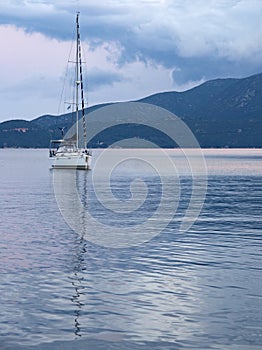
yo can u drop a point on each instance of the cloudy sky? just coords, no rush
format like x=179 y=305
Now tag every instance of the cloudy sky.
x=132 y=48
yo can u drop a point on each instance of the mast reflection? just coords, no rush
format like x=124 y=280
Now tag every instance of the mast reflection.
x=78 y=280
x=78 y=284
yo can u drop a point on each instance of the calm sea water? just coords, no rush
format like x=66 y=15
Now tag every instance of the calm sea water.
x=196 y=290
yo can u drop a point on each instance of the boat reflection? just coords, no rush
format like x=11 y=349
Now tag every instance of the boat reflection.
x=78 y=284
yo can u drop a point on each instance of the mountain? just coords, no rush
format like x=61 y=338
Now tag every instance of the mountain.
x=220 y=113
x=22 y=133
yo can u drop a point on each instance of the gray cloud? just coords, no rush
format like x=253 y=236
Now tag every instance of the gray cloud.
x=98 y=77
x=197 y=39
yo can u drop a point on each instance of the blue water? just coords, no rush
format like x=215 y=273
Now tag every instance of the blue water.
x=196 y=290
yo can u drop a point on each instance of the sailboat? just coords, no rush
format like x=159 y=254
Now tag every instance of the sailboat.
x=68 y=153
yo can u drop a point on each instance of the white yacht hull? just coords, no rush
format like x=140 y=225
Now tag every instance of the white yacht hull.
x=71 y=161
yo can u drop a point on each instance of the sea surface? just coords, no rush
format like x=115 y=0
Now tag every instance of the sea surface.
x=89 y=287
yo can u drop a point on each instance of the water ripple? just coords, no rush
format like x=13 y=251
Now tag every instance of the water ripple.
x=197 y=290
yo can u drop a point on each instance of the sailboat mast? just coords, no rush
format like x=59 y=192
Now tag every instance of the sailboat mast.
x=79 y=81
x=77 y=73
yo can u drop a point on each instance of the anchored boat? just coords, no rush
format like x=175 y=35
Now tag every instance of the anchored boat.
x=67 y=153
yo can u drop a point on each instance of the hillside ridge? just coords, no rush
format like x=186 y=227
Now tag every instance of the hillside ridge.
x=224 y=112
